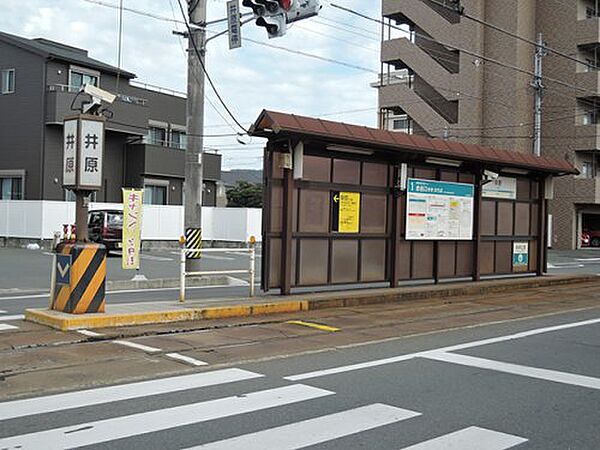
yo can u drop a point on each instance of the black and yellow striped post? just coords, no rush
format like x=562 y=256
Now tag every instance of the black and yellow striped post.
x=85 y=292
x=193 y=241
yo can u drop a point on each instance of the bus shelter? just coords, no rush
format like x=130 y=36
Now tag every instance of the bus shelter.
x=352 y=205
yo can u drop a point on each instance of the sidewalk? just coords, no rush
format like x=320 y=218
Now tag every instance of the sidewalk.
x=166 y=312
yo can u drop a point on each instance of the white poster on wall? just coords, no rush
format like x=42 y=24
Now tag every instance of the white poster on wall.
x=438 y=210
x=502 y=187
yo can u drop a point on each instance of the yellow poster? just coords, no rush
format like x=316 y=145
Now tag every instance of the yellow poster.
x=132 y=228
x=349 y=215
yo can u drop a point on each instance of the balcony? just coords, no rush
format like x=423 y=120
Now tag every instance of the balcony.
x=420 y=13
x=399 y=95
x=401 y=52
x=589 y=81
x=130 y=113
x=587 y=31
x=162 y=161
x=587 y=137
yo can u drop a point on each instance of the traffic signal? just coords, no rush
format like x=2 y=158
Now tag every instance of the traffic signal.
x=274 y=15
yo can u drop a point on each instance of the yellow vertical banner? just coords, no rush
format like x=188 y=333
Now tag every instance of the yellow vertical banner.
x=132 y=228
x=349 y=212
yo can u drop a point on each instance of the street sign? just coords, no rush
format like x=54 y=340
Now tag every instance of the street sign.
x=63 y=269
x=233 y=21
x=91 y=147
x=520 y=256
x=70 y=152
x=83 y=150
x=346 y=211
x=132 y=228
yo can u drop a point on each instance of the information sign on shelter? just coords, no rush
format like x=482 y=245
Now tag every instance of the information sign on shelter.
x=501 y=187
x=438 y=210
x=346 y=211
x=520 y=256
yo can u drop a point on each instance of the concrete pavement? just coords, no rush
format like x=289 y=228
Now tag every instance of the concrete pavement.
x=530 y=383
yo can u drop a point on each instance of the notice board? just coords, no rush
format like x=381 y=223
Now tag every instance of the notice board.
x=438 y=210
x=346 y=211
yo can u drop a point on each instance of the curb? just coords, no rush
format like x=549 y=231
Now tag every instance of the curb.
x=300 y=302
x=66 y=322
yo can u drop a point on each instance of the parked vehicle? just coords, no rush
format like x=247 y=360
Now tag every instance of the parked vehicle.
x=590 y=239
x=106 y=227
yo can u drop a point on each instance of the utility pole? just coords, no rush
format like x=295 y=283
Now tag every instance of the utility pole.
x=538 y=86
x=195 y=122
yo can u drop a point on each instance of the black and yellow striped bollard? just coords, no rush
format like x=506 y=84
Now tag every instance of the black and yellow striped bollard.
x=85 y=290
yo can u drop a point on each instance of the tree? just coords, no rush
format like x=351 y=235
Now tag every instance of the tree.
x=245 y=195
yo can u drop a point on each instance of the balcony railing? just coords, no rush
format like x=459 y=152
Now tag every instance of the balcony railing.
x=120 y=97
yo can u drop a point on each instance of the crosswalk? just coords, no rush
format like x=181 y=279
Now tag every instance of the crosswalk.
x=5 y=317
x=158 y=417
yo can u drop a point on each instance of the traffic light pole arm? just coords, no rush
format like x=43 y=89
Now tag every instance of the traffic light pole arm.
x=242 y=23
x=212 y=22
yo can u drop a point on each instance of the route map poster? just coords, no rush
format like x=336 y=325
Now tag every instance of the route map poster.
x=438 y=210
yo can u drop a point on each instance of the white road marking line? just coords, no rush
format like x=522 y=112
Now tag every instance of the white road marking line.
x=98 y=396
x=2 y=312
x=4 y=327
x=89 y=333
x=315 y=431
x=472 y=438
x=13 y=317
x=148 y=422
x=145 y=348
x=187 y=359
x=516 y=369
x=409 y=356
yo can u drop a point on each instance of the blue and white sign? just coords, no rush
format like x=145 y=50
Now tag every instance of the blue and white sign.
x=439 y=210
x=520 y=256
x=63 y=269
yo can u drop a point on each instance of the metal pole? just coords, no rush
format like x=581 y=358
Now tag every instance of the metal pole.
x=252 y=268
x=538 y=86
x=52 y=281
x=182 y=274
x=81 y=215
x=195 y=122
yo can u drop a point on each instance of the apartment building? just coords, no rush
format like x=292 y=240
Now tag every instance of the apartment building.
x=432 y=83
x=145 y=137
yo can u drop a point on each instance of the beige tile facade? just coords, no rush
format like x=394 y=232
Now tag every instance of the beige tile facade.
x=446 y=93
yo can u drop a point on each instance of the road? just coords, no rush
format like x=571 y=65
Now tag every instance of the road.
x=525 y=384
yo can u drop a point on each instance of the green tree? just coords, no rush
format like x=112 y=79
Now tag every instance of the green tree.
x=245 y=195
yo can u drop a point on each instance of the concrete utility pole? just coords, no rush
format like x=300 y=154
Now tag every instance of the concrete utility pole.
x=538 y=86
x=195 y=122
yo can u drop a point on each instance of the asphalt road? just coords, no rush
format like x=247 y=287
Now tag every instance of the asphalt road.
x=526 y=384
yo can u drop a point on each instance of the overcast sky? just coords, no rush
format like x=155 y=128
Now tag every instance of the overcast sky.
x=249 y=79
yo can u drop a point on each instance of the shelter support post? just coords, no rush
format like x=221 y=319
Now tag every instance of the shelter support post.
x=542 y=247
x=477 y=227
x=286 y=237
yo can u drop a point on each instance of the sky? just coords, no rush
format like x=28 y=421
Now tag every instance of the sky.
x=249 y=79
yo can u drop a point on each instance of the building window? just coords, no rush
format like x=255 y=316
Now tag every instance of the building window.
x=178 y=139
x=590 y=12
x=401 y=123
x=587 y=170
x=155 y=194
x=157 y=136
x=7 y=81
x=11 y=188
x=78 y=78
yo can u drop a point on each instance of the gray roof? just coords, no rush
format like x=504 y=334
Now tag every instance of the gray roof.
x=63 y=52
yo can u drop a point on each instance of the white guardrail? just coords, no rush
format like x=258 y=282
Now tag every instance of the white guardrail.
x=183 y=274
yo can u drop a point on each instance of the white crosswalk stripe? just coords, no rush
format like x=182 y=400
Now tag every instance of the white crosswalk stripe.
x=4 y=327
x=472 y=438
x=148 y=422
x=315 y=431
x=12 y=317
x=58 y=402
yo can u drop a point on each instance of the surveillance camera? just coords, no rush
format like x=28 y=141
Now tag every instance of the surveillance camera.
x=489 y=175
x=99 y=94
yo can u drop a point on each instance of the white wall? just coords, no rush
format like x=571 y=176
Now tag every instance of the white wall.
x=39 y=219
